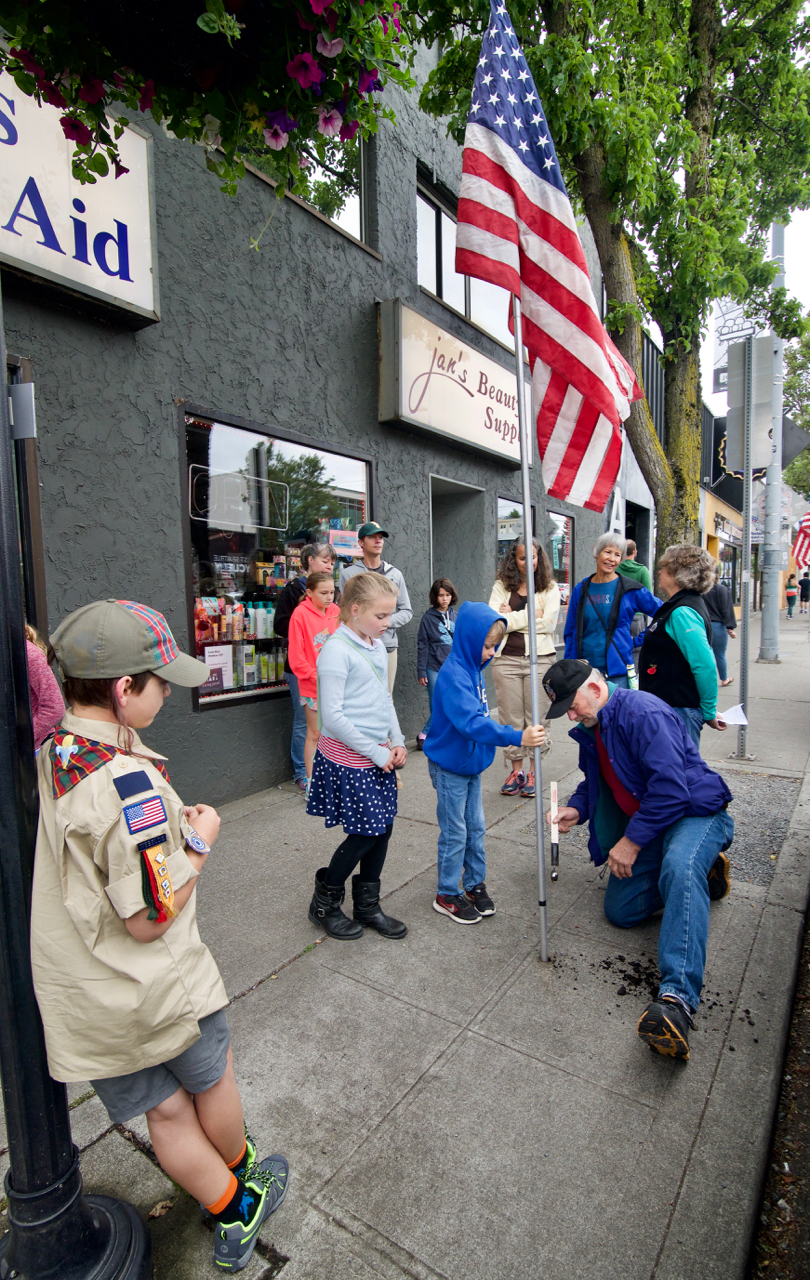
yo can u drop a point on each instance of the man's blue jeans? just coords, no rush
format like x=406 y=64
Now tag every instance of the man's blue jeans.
x=672 y=872
x=299 y=727
x=462 y=828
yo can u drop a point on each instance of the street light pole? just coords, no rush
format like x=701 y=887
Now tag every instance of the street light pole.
x=772 y=546
x=54 y=1231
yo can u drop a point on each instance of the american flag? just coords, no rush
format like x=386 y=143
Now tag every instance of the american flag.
x=516 y=229
x=801 y=547
x=146 y=814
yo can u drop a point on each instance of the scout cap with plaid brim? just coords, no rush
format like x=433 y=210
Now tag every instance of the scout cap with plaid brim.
x=113 y=638
x=561 y=682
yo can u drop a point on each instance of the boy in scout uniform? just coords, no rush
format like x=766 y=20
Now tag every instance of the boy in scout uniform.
x=130 y=997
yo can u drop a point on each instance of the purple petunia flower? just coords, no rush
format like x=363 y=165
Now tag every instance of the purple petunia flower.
x=369 y=80
x=147 y=95
x=74 y=130
x=52 y=94
x=280 y=120
x=92 y=92
x=319 y=6
x=349 y=130
x=304 y=68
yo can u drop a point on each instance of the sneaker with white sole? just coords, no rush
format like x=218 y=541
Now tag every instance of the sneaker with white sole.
x=514 y=783
x=458 y=907
x=480 y=899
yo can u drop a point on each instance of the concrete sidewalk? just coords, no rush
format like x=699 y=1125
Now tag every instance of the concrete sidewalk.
x=450 y=1106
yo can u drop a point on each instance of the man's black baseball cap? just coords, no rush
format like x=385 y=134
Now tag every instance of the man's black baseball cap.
x=561 y=682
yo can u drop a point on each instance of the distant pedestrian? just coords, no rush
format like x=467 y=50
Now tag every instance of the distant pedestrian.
x=511 y=669
x=316 y=557
x=361 y=744
x=461 y=744
x=371 y=537
x=724 y=621
x=130 y=998
x=677 y=662
x=313 y=621
x=631 y=567
x=804 y=593
x=791 y=592
x=602 y=608
x=434 y=641
x=47 y=703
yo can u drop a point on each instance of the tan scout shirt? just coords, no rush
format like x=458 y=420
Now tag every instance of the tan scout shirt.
x=111 y=1005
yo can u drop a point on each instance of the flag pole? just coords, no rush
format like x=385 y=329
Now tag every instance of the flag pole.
x=533 y=665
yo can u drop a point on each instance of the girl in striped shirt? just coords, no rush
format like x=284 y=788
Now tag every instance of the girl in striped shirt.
x=360 y=745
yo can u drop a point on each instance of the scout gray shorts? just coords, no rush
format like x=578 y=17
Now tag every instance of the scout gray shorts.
x=196 y=1069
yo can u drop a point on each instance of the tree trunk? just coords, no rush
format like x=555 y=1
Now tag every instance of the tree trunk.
x=683 y=416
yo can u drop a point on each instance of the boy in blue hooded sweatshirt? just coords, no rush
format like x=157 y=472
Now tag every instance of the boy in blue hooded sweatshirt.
x=461 y=743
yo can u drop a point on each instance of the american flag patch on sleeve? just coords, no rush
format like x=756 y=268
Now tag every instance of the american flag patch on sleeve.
x=149 y=813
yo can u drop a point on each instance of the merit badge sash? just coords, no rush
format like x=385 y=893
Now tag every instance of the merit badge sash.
x=156 y=882
x=74 y=758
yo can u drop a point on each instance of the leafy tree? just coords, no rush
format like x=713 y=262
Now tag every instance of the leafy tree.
x=684 y=130
x=797 y=404
x=272 y=81
x=311 y=490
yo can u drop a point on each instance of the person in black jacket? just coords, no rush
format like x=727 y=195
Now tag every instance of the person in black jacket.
x=804 y=593
x=720 y=609
x=316 y=557
x=434 y=641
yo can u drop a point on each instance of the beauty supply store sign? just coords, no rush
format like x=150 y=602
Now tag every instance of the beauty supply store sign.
x=432 y=381
x=97 y=239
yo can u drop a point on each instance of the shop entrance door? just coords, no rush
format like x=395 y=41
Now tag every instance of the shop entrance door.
x=457 y=538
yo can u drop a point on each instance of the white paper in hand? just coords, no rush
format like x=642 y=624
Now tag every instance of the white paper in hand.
x=734 y=715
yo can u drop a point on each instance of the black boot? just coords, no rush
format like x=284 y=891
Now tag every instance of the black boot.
x=367 y=909
x=324 y=909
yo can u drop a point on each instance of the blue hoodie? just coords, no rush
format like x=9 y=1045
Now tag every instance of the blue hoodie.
x=462 y=738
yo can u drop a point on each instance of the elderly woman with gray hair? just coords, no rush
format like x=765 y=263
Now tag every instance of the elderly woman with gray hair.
x=677 y=662
x=602 y=608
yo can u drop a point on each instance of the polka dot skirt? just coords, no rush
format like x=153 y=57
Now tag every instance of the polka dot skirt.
x=362 y=801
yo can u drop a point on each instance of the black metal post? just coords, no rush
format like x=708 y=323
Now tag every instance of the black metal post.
x=55 y=1232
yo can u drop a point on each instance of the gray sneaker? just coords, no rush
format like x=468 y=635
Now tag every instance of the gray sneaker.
x=234 y=1242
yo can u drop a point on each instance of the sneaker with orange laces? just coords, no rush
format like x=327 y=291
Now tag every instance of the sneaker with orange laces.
x=527 y=789
x=514 y=782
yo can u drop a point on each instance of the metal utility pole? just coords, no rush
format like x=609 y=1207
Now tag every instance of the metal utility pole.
x=772 y=546
x=528 y=534
x=55 y=1233
x=745 y=602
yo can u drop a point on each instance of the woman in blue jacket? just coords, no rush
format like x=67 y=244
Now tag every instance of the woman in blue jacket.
x=602 y=607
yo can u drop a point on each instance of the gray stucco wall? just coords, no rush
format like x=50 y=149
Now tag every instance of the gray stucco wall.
x=286 y=337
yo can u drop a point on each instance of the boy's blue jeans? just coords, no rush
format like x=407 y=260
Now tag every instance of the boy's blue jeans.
x=462 y=828
x=672 y=872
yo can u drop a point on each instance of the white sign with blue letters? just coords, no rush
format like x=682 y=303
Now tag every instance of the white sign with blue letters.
x=97 y=239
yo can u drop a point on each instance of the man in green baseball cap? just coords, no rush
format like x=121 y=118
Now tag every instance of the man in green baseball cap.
x=371 y=537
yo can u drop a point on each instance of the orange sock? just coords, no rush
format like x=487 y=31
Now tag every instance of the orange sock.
x=224 y=1200
x=233 y=1163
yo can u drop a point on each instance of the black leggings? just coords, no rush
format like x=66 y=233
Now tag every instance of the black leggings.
x=369 y=851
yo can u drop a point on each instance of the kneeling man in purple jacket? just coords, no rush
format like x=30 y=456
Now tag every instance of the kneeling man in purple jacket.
x=658 y=816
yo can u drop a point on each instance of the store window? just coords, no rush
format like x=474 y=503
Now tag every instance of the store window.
x=559 y=541
x=253 y=502
x=510 y=524
x=483 y=303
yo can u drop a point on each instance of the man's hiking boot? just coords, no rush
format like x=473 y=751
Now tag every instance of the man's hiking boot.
x=664 y=1026
x=720 y=878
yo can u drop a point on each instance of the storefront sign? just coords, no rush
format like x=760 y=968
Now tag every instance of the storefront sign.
x=432 y=381
x=345 y=542
x=97 y=239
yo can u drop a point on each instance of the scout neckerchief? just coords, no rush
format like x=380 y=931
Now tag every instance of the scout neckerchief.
x=74 y=758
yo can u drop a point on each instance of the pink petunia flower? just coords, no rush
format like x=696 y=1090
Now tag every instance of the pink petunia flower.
x=395 y=19
x=329 y=48
x=147 y=95
x=118 y=79
x=23 y=56
x=349 y=130
x=304 y=68
x=75 y=131
x=329 y=121
x=303 y=161
x=92 y=92
x=276 y=138
x=52 y=94
x=319 y=6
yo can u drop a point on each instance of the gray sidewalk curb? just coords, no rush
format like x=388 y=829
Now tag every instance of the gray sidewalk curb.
x=715 y=1213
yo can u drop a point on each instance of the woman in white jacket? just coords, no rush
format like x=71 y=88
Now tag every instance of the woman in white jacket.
x=510 y=667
